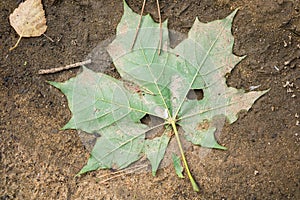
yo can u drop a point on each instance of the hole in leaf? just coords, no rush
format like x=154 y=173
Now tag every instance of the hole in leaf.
x=88 y=140
x=195 y=94
x=153 y=123
x=146 y=120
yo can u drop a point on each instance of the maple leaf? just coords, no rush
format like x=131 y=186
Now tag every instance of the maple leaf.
x=104 y=106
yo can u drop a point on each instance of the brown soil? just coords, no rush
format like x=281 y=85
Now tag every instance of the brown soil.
x=38 y=161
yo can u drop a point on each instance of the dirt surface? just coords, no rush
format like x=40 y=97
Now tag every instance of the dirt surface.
x=38 y=161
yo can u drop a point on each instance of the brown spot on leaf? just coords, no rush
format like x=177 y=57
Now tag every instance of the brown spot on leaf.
x=204 y=125
x=123 y=29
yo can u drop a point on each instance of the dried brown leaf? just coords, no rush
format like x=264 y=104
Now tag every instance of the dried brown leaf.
x=28 y=19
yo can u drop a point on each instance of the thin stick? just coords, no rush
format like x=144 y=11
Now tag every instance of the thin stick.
x=139 y=25
x=123 y=170
x=121 y=174
x=49 y=38
x=160 y=27
x=58 y=69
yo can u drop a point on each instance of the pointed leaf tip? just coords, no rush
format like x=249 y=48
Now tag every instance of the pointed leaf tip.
x=126 y=7
x=232 y=15
x=155 y=150
x=54 y=84
x=177 y=165
x=91 y=165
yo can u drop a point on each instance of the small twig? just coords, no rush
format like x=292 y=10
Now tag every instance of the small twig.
x=160 y=27
x=58 y=69
x=121 y=173
x=126 y=170
x=138 y=27
x=49 y=38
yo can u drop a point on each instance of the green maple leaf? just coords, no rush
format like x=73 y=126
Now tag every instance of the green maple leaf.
x=105 y=106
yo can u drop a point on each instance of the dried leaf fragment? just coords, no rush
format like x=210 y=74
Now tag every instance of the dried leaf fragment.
x=28 y=20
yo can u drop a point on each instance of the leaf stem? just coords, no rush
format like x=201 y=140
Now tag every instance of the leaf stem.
x=12 y=48
x=193 y=182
